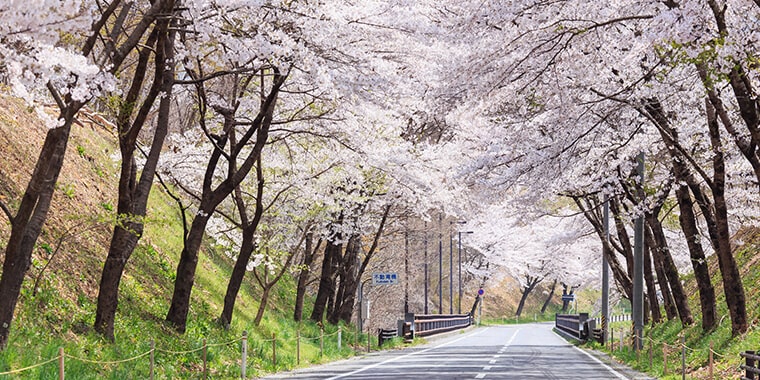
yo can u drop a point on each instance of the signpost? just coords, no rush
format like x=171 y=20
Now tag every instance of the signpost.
x=378 y=278
x=384 y=278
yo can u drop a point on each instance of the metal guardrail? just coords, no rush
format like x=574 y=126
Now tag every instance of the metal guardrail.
x=573 y=324
x=750 y=367
x=386 y=334
x=431 y=324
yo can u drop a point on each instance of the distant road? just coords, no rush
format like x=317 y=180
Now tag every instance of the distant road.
x=530 y=351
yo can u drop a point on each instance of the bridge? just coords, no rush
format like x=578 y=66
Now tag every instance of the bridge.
x=530 y=351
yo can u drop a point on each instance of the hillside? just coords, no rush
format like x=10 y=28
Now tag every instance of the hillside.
x=59 y=311
x=725 y=348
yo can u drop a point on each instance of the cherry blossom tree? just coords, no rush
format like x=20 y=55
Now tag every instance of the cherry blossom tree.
x=42 y=63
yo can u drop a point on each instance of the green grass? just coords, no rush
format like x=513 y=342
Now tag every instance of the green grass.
x=697 y=353
x=61 y=313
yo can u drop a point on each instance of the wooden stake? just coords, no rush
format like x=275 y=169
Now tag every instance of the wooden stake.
x=61 y=371
x=274 y=350
x=205 y=353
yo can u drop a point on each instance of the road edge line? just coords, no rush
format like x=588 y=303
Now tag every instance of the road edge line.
x=393 y=359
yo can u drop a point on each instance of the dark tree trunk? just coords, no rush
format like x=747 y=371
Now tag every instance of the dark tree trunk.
x=262 y=278
x=35 y=203
x=183 y=284
x=247 y=246
x=304 y=274
x=741 y=84
x=549 y=297
x=688 y=221
x=662 y=279
x=236 y=279
x=589 y=206
x=326 y=282
x=262 y=306
x=28 y=222
x=348 y=283
x=671 y=271
x=654 y=305
x=210 y=199
x=133 y=195
x=698 y=261
x=530 y=284
x=623 y=237
x=732 y=283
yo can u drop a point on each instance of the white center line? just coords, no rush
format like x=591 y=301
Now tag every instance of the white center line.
x=393 y=359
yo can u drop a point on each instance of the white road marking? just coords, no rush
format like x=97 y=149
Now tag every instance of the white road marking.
x=487 y=368
x=512 y=339
x=492 y=362
x=480 y=375
x=616 y=373
x=393 y=359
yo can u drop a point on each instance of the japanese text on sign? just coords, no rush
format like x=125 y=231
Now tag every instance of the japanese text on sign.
x=382 y=278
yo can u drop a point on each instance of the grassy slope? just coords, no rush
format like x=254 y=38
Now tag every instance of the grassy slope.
x=727 y=359
x=61 y=311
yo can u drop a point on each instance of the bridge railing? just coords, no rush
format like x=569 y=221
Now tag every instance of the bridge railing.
x=572 y=324
x=750 y=367
x=430 y=324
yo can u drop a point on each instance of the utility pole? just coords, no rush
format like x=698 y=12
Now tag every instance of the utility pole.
x=606 y=272
x=406 y=270
x=638 y=265
x=426 y=269
x=451 y=274
x=440 y=263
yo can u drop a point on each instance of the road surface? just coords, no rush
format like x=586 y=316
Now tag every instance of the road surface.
x=530 y=351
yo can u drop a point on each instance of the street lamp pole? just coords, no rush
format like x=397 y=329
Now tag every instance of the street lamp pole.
x=459 y=308
x=440 y=264
x=451 y=274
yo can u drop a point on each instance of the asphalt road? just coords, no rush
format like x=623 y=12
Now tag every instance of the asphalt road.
x=531 y=351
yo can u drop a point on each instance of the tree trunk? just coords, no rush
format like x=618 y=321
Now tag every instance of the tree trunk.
x=350 y=282
x=549 y=297
x=683 y=175
x=698 y=261
x=183 y=284
x=247 y=246
x=262 y=305
x=210 y=199
x=671 y=311
x=654 y=305
x=133 y=195
x=732 y=283
x=671 y=271
x=326 y=282
x=623 y=237
x=236 y=279
x=123 y=243
x=589 y=205
x=31 y=215
x=304 y=274
x=527 y=289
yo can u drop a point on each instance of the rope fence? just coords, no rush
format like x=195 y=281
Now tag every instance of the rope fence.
x=668 y=350
x=62 y=357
